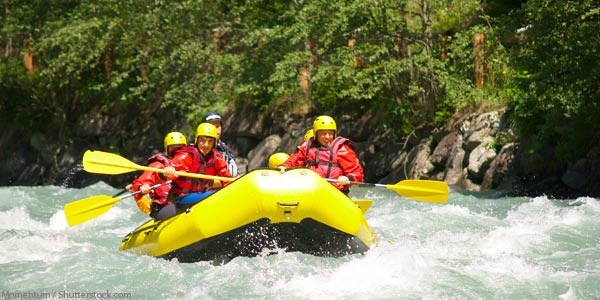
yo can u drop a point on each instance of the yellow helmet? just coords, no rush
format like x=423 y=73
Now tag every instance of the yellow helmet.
x=277 y=159
x=309 y=133
x=206 y=129
x=324 y=123
x=174 y=138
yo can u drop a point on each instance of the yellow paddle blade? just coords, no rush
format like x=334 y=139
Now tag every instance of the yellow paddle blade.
x=424 y=190
x=110 y=163
x=89 y=208
x=363 y=204
x=107 y=163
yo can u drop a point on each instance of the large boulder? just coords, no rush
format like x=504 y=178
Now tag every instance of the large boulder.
x=259 y=156
x=479 y=160
x=498 y=175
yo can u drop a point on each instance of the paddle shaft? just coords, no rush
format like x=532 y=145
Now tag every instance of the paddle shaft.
x=157 y=170
x=119 y=193
x=139 y=192
x=358 y=183
x=87 y=209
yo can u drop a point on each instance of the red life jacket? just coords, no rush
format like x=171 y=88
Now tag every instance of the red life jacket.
x=201 y=165
x=159 y=157
x=159 y=194
x=324 y=160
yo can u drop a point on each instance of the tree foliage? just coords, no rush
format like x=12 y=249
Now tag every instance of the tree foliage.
x=557 y=99
x=411 y=61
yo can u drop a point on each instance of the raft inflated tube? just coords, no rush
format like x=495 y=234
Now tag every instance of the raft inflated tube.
x=264 y=209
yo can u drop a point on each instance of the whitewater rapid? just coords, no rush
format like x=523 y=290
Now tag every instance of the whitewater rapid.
x=477 y=246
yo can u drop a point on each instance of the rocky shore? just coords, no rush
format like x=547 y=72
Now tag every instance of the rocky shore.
x=471 y=152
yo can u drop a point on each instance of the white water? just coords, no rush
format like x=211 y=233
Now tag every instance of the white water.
x=474 y=247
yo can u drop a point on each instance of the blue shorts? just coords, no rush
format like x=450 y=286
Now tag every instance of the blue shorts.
x=195 y=197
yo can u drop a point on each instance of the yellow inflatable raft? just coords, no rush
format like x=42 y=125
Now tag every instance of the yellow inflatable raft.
x=260 y=212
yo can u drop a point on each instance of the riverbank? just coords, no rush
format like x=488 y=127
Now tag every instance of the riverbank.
x=472 y=152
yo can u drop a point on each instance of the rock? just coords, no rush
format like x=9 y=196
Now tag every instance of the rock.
x=242 y=164
x=39 y=142
x=584 y=174
x=593 y=158
x=484 y=125
x=461 y=152
x=479 y=160
x=395 y=169
x=444 y=148
x=91 y=124
x=467 y=184
x=536 y=163
x=418 y=164
x=577 y=174
x=454 y=168
x=259 y=156
x=498 y=174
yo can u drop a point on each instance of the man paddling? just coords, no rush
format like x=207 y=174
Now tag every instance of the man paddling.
x=202 y=158
x=330 y=156
x=172 y=142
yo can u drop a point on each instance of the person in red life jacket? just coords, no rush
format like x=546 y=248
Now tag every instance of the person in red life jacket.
x=202 y=158
x=228 y=154
x=330 y=156
x=154 y=207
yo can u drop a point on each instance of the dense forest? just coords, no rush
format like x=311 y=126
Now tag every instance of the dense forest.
x=410 y=62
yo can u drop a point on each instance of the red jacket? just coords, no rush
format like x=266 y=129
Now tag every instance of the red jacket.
x=189 y=159
x=333 y=161
x=158 y=195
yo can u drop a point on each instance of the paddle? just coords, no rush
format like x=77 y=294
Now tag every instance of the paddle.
x=422 y=190
x=110 y=163
x=89 y=208
x=120 y=193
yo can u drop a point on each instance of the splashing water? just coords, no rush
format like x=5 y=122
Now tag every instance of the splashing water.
x=474 y=247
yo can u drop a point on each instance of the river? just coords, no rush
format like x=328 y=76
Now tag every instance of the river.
x=477 y=246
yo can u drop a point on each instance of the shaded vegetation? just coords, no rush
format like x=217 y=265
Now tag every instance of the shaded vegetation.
x=412 y=61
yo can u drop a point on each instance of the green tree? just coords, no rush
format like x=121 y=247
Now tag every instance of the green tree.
x=558 y=73
x=411 y=61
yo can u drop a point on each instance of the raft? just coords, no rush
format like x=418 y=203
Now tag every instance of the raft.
x=262 y=212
